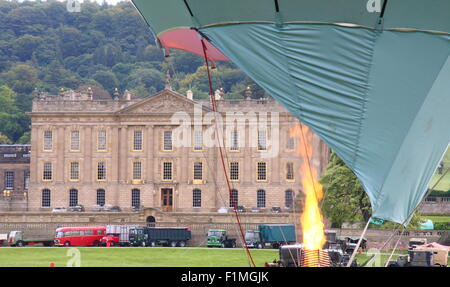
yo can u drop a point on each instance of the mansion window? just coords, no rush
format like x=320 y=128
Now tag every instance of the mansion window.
x=47 y=172
x=75 y=140
x=196 y=198
x=198 y=140
x=198 y=171
x=73 y=197
x=167 y=170
x=290 y=171
x=234 y=198
x=26 y=180
x=137 y=170
x=261 y=171
x=101 y=197
x=234 y=171
x=9 y=180
x=48 y=140
x=167 y=141
x=46 y=198
x=135 y=197
x=288 y=198
x=234 y=146
x=74 y=170
x=137 y=140
x=290 y=142
x=261 y=198
x=101 y=171
x=101 y=140
x=262 y=140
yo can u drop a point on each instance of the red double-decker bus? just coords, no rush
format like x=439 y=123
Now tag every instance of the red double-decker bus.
x=79 y=236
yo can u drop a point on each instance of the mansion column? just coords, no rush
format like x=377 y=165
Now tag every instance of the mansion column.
x=123 y=151
x=60 y=164
x=86 y=135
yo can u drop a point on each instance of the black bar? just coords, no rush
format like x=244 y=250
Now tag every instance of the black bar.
x=189 y=8
x=277 y=7
x=383 y=8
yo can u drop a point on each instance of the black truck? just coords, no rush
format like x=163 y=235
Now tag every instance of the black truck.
x=165 y=236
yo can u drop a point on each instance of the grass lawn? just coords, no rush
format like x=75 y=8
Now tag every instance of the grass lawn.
x=147 y=257
x=134 y=257
x=444 y=184
x=438 y=218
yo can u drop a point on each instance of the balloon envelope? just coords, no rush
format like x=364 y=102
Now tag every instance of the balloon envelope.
x=371 y=78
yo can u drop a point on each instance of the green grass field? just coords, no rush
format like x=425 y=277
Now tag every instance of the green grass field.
x=444 y=184
x=146 y=257
x=134 y=257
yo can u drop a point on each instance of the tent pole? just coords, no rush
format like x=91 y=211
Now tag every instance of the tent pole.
x=358 y=244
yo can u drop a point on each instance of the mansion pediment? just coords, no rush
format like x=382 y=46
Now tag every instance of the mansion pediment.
x=165 y=102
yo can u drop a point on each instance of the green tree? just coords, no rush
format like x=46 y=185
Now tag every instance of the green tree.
x=345 y=198
x=7 y=97
x=4 y=139
x=108 y=55
x=24 y=46
x=22 y=78
x=107 y=79
x=25 y=138
x=151 y=79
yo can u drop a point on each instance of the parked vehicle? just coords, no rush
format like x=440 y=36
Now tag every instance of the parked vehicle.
x=115 y=209
x=166 y=236
x=222 y=210
x=19 y=239
x=422 y=257
x=77 y=208
x=240 y=208
x=270 y=234
x=349 y=243
x=59 y=209
x=117 y=235
x=275 y=209
x=79 y=236
x=219 y=238
x=3 y=239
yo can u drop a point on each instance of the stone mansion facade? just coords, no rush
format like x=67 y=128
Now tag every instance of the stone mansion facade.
x=126 y=152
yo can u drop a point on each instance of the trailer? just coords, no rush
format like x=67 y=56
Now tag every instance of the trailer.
x=117 y=235
x=274 y=235
x=19 y=238
x=165 y=236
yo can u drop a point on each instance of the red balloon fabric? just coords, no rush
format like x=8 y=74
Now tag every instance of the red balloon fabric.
x=189 y=40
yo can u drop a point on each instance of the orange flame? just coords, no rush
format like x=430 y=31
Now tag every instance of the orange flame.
x=311 y=219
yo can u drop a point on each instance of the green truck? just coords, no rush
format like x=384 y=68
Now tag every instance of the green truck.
x=274 y=235
x=219 y=238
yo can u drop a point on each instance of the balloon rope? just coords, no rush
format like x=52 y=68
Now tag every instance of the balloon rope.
x=213 y=105
x=358 y=244
x=395 y=247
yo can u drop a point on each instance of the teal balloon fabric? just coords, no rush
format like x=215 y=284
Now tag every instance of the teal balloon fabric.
x=379 y=99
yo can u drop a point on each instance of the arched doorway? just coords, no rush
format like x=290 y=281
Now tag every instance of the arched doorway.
x=150 y=221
